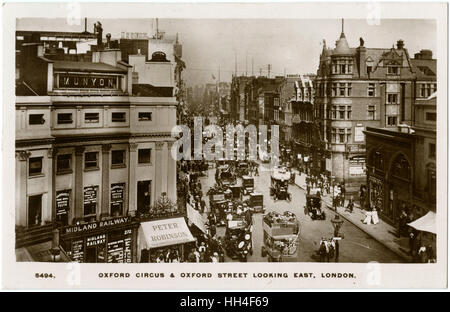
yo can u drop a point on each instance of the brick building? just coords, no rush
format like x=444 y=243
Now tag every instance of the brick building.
x=358 y=88
x=401 y=161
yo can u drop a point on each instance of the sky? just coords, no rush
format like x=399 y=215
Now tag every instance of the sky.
x=291 y=46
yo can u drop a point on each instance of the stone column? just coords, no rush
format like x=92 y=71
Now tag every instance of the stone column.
x=171 y=174
x=132 y=183
x=51 y=155
x=159 y=171
x=21 y=187
x=79 y=191
x=106 y=151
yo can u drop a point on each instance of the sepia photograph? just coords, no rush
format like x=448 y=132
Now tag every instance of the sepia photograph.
x=163 y=141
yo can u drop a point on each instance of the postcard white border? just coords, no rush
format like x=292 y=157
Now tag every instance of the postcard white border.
x=85 y=276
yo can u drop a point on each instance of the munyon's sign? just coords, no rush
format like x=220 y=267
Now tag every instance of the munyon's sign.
x=87 y=81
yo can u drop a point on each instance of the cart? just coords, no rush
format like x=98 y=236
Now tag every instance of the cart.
x=248 y=184
x=238 y=238
x=314 y=207
x=236 y=191
x=256 y=202
x=242 y=168
x=281 y=237
x=279 y=182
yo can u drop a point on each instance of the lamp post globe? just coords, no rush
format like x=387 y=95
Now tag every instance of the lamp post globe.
x=337 y=224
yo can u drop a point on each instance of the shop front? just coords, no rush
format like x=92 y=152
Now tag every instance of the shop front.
x=112 y=240
x=163 y=240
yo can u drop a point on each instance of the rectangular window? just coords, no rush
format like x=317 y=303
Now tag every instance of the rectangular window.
x=64 y=118
x=341 y=112
x=91 y=117
x=371 y=112
x=91 y=160
x=349 y=89
x=118 y=117
x=343 y=68
x=342 y=89
x=334 y=112
x=422 y=90
x=391 y=120
x=35 y=166
x=90 y=202
x=392 y=98
x=144 y=156
x=432 y=150
x=117 y=191
x=36 y=119
x=145 y=116
x=430 y=116
x=63 y=163
x=393 y=70
x=118 y=158
x=350 y=68
x=333 y=135
x=34 y=210
x=371 y=90
x=334 y=89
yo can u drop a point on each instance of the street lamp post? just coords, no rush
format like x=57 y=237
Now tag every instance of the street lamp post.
x=337 y=223
x=332 y=193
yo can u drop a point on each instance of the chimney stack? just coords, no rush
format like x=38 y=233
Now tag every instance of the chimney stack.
x=400 y=44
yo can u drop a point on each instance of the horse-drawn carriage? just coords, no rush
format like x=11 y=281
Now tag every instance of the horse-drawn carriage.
x=227 y=176
x=256 y=202
x=281 y=237
x=314 y=207
x=219 y=204
x=242 y=168
x=238 y=238
x=279 y=182
x=236 y=191
x=248 y=184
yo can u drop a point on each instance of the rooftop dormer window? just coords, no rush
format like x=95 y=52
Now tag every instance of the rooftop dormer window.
x=393 y=70
x=342 y=66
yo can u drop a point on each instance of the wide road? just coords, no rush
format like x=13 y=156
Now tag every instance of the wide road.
x=356 y=246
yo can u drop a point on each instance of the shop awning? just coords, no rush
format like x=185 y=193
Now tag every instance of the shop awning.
x=196 y=218
x=166 y=232
x=427 y=223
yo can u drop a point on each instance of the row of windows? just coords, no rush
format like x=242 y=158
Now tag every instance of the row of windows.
x=64 y=161
x=66 y=118
x=345 y=112
x=341 y=135
x=342 y=67
x=427 y=89
x=341 y=89
x=341 y=112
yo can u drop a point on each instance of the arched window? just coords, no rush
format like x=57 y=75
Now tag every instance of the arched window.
x=377 y=160
x=401 y=168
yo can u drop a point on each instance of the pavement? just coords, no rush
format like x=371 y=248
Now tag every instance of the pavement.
x=382 y=232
